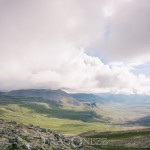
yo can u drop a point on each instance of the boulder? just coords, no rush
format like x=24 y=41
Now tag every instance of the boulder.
x=13 y=139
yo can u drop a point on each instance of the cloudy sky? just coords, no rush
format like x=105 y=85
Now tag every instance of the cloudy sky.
x=76 y=45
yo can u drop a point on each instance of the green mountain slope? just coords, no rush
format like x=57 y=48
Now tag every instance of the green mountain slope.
x=53 y=95
x=52 y=114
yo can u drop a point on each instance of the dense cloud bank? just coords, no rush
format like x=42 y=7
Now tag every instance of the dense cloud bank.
x=60 y=44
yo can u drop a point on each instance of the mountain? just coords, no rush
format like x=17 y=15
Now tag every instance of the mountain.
x=73 y=113
x=80 y=98
x=53 y=95
x=55 y=105
x=131 y=99
x=1 y=93
x=92 y=98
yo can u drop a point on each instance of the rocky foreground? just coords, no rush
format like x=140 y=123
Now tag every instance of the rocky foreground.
x=15 y=136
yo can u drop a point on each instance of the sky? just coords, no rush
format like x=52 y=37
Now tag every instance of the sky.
x=75 y=45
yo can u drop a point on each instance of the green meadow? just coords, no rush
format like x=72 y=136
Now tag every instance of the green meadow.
x=64 y=119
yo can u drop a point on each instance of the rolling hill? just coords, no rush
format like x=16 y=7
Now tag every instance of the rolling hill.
x=54 y=109
x=75 y=113
x=52 y=95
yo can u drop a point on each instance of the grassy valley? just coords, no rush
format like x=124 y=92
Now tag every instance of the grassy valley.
x=50 y=114
x=87 y=115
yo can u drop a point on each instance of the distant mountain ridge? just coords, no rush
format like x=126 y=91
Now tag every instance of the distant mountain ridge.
x=1 y=93
x=80 y=98
x=125 y=99
x=86 y=97
x=54 y=95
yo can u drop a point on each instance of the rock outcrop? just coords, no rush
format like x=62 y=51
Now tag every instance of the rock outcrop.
x=15 y=136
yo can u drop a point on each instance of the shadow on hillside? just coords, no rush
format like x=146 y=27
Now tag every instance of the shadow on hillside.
x=58 y=112
x=145 y=121
x=55 y=111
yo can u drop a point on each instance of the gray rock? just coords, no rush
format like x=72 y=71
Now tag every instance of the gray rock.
x=13 y=139
x=42 y=130
x=48 y=141
x=12 y=122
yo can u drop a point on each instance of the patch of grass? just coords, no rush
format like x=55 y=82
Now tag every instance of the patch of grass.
x=86 y=116
x=25 y=138
x=118 y=148
x=120 y=135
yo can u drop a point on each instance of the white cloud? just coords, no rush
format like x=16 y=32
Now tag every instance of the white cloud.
x=129 y=35
x=44 y=44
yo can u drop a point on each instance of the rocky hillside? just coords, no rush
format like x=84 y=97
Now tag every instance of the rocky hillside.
x=15 y=136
